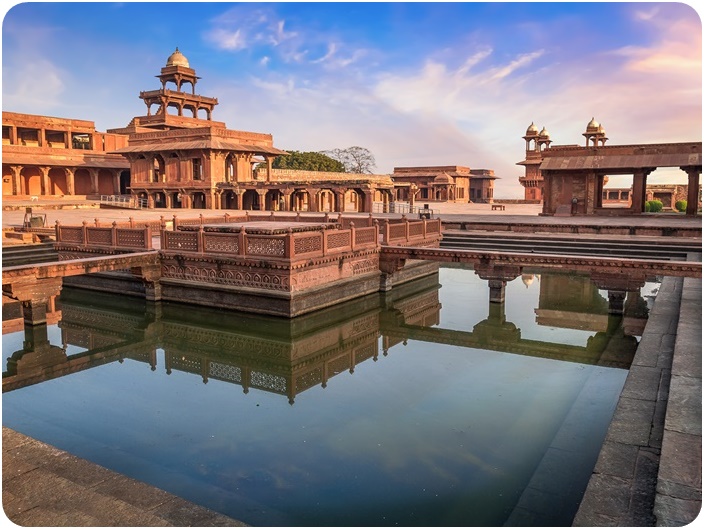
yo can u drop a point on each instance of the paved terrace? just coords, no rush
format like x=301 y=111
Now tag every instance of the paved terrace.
x=46 y=487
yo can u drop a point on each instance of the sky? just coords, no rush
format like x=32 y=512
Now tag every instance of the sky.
x=415 y=83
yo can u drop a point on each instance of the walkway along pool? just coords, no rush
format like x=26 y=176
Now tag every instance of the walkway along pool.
x=427 y=405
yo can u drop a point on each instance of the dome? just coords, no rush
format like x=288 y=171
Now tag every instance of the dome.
x=601 y=129
x=443 y=178
x=545 y=133
x=593 y=124
x=177 y=59
x=531 y=129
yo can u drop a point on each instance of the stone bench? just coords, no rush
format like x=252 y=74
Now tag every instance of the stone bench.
x=500 y=207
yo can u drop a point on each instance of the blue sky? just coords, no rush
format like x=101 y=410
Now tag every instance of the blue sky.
x=415 y=83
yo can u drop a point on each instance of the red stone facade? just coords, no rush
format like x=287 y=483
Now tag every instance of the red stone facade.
x=45 y=156
x=444 y=183
x=570 y=179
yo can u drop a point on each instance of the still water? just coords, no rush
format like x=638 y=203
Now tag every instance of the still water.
x=430 y=406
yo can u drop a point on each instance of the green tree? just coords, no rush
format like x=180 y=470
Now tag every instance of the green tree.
x=308 y=161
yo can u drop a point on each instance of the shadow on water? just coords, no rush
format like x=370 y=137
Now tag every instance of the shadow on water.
x=428 y=436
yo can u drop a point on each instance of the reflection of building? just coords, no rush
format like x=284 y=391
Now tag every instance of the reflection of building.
x=570 y=179
x=54 y=156
x=452 y=183
x=276 y=355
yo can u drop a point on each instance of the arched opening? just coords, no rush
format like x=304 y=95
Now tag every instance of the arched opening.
x=159 y=200
x=326 y=201
x=202 y=113
x=230 y=174
x=57 y=182
x=250 y=200
x=354 y=200
x=198 y=200
x=230 y=200
x=82 y=182
x=124 y=182
x=158 y=173
x=274 y=200
x=176 y=200
x=299 y=201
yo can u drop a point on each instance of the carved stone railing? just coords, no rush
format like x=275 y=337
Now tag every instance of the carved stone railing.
x=112 y=237
x=409 y=233
x=287 y=244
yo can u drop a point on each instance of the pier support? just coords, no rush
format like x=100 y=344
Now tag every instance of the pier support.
x=34 y=295
x=497 y=276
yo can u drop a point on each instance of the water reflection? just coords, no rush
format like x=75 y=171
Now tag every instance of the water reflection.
x=289 y=356
x=436 y=427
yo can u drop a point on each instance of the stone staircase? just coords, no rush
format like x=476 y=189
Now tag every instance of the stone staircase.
x=630 y=247
x=22 y=254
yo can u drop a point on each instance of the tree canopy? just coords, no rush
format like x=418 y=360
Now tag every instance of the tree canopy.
x=308 y=161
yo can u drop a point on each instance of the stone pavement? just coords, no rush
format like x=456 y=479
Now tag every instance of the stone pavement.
x=46 y=487
x=649 y=470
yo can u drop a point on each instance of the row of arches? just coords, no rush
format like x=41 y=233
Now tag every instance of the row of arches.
x=321 y=200
x=57 y=181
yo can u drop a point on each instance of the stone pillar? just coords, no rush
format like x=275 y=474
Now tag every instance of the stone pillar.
x=262 y=199
x=312 y=199
x=70 y=180
x=269 y=162
x=116 y=181
x=93 y=180
x=340 y=198
x=287 y=199
x=17 y=180
x=240 y=194
x=35 y=295
x=46 y=183
x=151 y=275
x=13 y=135
x=638 y=195
x=368 y=202
x=692 y=191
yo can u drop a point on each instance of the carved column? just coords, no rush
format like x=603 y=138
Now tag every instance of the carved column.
x=262 y=199
x=312 y=199
x=70 y=172
x=46 y=183
x=17 y=180
x=93 y=180
x=287 y=198
x=116 y=181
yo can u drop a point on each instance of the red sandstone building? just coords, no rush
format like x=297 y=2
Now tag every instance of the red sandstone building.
x=55 y=156
x=177 y=156
x=445 y=183
x=570 y=179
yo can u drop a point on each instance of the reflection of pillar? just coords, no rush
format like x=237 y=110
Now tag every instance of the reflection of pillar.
x=497 y=291
x=616 y=300
x=35 y=337
x=497 y=276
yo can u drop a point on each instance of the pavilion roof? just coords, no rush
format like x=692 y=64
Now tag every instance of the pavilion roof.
x=621 y=161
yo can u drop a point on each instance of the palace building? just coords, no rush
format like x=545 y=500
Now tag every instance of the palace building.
x=178 y=156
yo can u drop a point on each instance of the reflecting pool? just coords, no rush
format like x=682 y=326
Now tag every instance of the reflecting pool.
x=426 y=406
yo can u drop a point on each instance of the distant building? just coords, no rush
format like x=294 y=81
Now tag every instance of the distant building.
x=444 y=183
